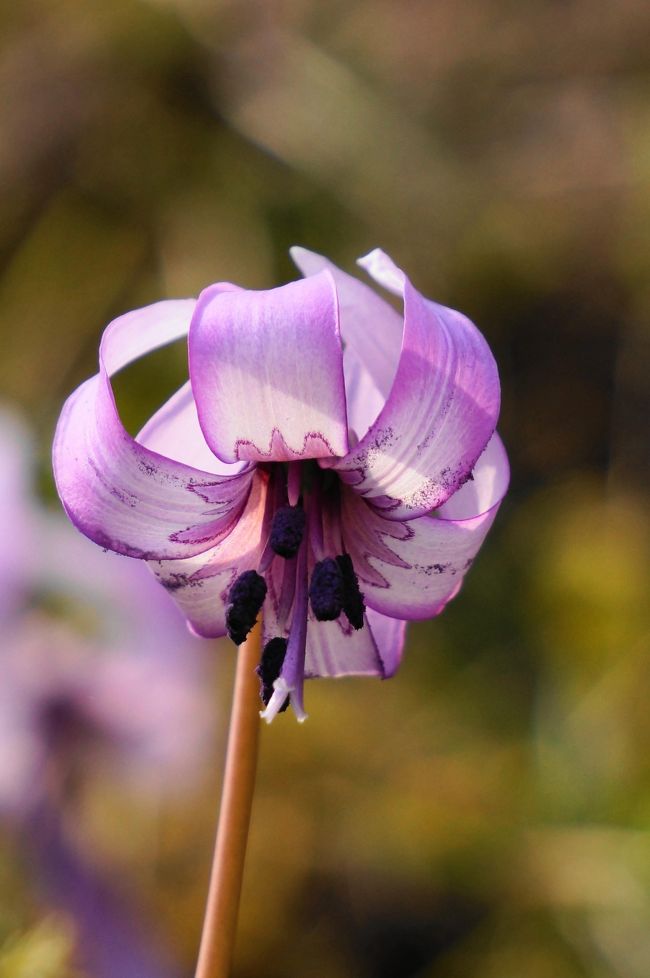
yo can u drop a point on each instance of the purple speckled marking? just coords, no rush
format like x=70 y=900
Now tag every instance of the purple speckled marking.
x=277 y=442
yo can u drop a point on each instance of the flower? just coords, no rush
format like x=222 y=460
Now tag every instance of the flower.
x=101 y=686
x=97 y=665
x=329 y=460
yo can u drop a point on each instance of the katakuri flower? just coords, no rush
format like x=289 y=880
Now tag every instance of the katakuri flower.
x=329 y=460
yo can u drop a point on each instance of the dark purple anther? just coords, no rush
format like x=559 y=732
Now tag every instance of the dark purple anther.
x=287 y=530
x=245 y=598
x=270 y=667
x=354 y=605
x=326 y=590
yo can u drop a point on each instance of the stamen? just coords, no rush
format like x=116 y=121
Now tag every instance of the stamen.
x=270 y=667
x=287 y=530
x=326 y=590
x=354 y=605
x=245 y=598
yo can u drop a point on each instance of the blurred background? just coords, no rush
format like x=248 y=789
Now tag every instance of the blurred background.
x=486 y=812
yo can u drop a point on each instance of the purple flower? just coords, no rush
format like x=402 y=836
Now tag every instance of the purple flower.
x=329 y=460
x=101 y=684
x=98 y=671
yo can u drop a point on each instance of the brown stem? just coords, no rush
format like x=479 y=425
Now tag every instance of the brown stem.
x=220 y=922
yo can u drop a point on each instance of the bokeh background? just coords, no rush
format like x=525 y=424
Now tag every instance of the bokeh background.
x=487 y=812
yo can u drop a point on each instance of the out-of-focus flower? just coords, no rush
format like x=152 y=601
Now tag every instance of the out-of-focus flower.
x=96 y=663
x=329 y=459
x=100 y=679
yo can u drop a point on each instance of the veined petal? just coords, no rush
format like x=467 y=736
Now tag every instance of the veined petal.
x=438 y=418
x=267 y=372
x=369 y=325
x=389 y=635
x=200 y=584
x=334 y=649
x=121 y=494
x=412 y=569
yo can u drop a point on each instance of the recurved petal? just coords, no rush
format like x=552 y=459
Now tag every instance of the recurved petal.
x=363 y=396
x=389 y=635
x=438 y=418
x=334 y=648
x=369 y=325
x=411 y=569
x=267 y=372
x=174 y=431
x=200 y=584
x=121 y=494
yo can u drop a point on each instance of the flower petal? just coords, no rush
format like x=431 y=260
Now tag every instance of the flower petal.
x=334 y=649
x=412 y=569
x=369 y=325
x=438 y=418
x=122 y=495
x=389 y=635
x=200 y=584
x=363 y=396
x=267 y=372
x=174 y=431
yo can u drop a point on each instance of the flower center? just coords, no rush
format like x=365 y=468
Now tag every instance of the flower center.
x=287 y=530
x=304 y=565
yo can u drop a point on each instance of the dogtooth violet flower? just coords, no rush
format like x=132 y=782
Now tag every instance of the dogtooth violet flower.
x=329 y=460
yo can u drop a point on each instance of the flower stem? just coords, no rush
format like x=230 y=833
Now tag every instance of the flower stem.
x=220 y=922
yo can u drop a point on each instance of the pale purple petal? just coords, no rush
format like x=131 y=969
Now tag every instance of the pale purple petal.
x=439 y=417
x=334 y=649
x=200 y=584
x=119 y=493
x=389 y=635
x=267 y=372
x=488 y=485
x=174 y=431
x=411 y=569
x=363 y=396
x=384 y=271
x=369 y=325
